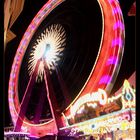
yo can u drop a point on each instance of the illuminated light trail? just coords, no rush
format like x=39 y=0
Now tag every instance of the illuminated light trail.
x=49 y=45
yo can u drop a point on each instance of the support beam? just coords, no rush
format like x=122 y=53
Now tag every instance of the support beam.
x=25 y=100
x=63 y=86
x=51 y=98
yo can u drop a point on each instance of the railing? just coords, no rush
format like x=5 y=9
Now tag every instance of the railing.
x=16 y=135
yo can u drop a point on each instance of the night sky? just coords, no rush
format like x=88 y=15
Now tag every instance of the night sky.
x=30 y=10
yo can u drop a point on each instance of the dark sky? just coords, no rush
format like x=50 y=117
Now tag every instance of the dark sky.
x=31 y=7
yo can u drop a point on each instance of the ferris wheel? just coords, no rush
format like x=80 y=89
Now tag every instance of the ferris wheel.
x=67 y=51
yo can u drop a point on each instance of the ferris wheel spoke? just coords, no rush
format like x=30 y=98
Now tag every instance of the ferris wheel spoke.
x=25 y=100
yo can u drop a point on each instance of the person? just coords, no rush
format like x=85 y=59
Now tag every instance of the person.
x=91 y=138
x=102 y=138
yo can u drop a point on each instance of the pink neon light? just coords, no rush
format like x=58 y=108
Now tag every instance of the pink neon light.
x=11 y=83
x=111 y=1
x=32 y=27
x=117 y=41
x=20 y=51
x=17 y=58
x=105 y=79
x=116 y=10
x=11 y=100
x=118 y=24
x=26 y=35
x=112 y=60
x=36 y=20
x=11 y=108
x=42 y=13
x=12 y=75
x=11 y=91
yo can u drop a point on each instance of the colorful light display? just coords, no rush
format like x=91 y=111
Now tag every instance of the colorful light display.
x=102 y=76
x=122 y=120
x=49 y=47
x=104 y=124
x=94 y=97
x=128 y=100
x=101 y=95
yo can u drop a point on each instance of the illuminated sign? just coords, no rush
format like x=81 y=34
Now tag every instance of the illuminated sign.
x=128 y=98
x=98 y=97
x=107 y=123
